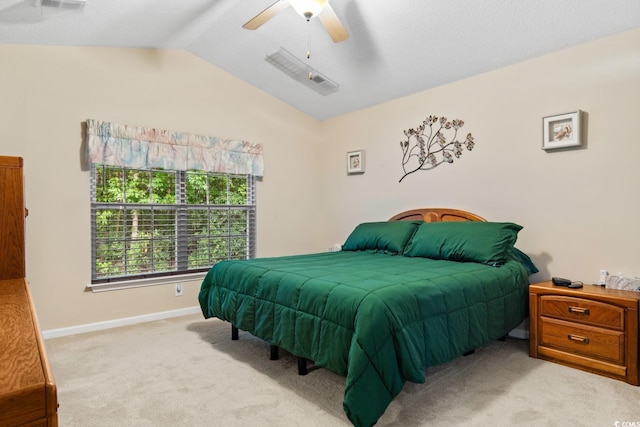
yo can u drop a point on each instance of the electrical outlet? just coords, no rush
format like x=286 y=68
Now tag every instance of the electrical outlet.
x=603 y=277
x=178 y=289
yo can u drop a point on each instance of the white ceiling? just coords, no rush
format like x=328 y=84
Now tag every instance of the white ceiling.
x=395 y=48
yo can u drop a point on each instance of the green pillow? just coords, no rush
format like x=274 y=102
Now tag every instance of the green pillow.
x=524 y=259
x=388 y=236
x=482 y=242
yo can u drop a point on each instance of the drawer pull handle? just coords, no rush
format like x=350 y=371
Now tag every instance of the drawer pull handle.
x=579 y=310
x=578 y=338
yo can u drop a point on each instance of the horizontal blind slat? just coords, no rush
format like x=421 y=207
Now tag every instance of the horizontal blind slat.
x=132 y=238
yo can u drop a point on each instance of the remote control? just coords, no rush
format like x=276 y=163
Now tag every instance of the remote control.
x=559 y=281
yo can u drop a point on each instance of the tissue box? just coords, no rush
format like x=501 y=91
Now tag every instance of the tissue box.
x=622 y=283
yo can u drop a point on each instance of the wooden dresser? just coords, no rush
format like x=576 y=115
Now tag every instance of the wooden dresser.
x=590 y=328
x=27 y=389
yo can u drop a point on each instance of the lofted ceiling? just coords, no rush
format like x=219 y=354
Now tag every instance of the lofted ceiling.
x=395 y=48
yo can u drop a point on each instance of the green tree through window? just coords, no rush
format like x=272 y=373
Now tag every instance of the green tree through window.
x=147 y=223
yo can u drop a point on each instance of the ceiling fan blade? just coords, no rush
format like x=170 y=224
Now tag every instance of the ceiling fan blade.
x=266 y=14
x=332 y=24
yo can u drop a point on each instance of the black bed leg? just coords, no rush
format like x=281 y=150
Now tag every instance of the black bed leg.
x=469 y=353
x=234 y=333
x=274 y=352
x=502 y=338
x=302 y=366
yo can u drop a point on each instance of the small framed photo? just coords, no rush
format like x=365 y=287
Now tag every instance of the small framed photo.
x=561 y=131
x=355 y=162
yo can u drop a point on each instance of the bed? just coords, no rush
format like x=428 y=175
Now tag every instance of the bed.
x=418 y=290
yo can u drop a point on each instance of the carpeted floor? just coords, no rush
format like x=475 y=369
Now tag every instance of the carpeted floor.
x=186 y=371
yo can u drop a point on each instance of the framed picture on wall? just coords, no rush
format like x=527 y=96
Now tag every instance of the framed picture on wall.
x=355 y=162
x=561 y=131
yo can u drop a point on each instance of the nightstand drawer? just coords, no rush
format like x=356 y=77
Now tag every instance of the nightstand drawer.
x=590 y=328
x=582 y=310
x=598 y=343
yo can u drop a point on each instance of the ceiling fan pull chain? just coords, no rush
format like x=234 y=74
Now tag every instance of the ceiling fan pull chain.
x=309 y=47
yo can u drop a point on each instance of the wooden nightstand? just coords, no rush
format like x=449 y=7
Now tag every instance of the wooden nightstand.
x=591 y=328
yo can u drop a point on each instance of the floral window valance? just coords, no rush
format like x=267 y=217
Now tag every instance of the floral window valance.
x=148 y=148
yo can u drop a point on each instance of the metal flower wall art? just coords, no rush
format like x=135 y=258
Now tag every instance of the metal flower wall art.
x=428 y=145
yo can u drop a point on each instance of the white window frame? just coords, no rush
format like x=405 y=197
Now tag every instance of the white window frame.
x=181 y=272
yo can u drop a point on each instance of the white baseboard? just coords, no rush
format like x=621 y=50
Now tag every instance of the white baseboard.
x=521 y=331
x=107 y=324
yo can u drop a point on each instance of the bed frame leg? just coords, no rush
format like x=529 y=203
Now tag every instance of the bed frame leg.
x=274 y=352
x=302 y=366
x=234 y=333
x=502 y=338
x=469 y=353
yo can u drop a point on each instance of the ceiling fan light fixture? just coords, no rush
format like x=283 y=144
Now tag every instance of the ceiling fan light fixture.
x=308 y=8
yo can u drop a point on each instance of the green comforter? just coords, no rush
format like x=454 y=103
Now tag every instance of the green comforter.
x=378 y=319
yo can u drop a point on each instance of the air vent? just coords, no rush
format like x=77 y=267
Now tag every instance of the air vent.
x=299 y=71
x=63 y=4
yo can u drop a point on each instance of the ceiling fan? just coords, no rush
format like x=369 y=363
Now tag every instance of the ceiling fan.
x=308 y=9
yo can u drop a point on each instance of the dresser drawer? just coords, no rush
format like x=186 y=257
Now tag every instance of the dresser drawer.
x=593 y=342
x=582 y=310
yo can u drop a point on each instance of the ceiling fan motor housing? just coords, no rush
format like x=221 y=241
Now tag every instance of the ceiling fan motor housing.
x=308 y=8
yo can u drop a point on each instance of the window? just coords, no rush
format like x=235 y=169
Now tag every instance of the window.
x=151 y=223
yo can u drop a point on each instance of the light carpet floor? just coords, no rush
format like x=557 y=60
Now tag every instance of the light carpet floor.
x=187 y=371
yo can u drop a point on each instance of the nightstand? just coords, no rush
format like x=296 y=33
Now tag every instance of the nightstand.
x=591 y=328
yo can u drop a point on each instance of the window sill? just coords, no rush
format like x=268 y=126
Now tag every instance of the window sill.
x=140 y=283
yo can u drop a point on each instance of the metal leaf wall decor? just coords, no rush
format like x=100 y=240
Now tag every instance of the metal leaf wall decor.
x=426 y=146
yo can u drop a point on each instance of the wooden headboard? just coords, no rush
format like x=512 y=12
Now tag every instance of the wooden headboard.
x=436 y=215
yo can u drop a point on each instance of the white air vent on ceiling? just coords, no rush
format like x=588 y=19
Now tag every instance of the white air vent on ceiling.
x=299 y=71
x=64 y=4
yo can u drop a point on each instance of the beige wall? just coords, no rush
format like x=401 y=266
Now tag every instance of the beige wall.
x=579 y=208
x=46 y=94
x=565 y=200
